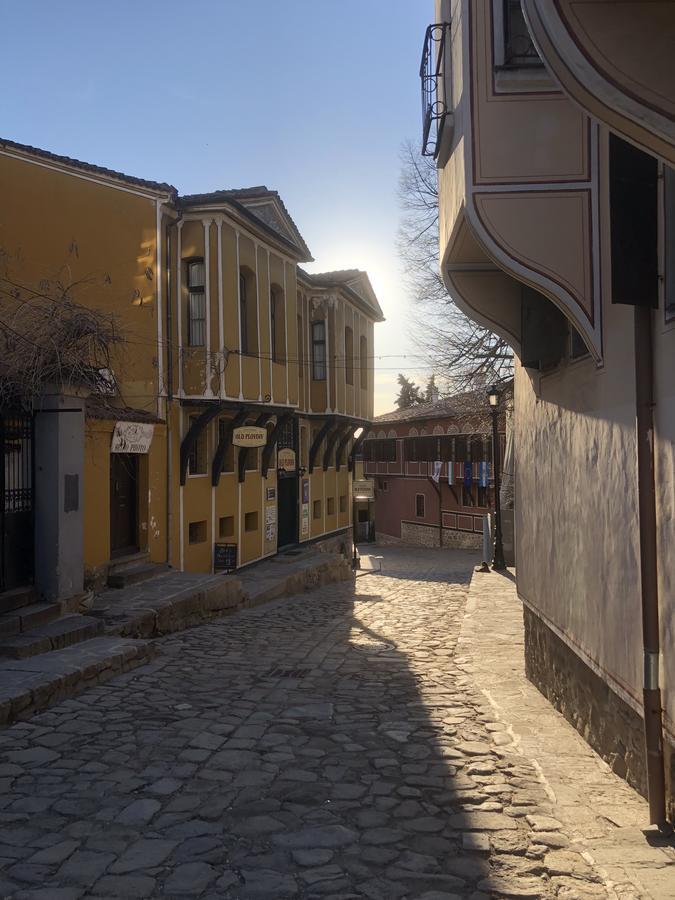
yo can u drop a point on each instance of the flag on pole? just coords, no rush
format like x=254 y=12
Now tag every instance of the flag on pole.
x=484 y=474
x=451 y=473
x=468 y=474
x=438 y=465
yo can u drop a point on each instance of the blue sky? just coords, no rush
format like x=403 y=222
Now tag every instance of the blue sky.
x=310 y=97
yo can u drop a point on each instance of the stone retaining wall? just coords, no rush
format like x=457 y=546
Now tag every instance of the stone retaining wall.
x=428 y=536
x=612 y=727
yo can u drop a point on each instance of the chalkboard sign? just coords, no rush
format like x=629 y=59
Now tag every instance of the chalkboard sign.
x=225 y=557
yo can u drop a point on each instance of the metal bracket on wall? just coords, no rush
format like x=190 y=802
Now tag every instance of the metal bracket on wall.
x=316 y=443
x=223 y=445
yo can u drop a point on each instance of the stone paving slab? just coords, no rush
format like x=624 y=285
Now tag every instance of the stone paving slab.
x=328 y=745
x=605 y=819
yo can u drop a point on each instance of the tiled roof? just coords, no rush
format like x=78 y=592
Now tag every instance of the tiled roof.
x=239 y=197
x=158 y=186
x=469 y=403
x=95 y=409
x=341 y=276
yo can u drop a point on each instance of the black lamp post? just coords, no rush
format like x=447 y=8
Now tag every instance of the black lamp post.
x=494 y=396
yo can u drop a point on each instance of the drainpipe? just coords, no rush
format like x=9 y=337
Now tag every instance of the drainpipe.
x=169 y=393
x=644 y=402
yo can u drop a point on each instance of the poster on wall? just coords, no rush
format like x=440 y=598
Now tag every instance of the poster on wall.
x=270 y=531
x=304 y=527
x=305 y=490
x=270 y=515
x=132 y=437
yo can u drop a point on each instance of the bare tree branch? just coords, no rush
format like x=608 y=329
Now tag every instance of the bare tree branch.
x=465 y=356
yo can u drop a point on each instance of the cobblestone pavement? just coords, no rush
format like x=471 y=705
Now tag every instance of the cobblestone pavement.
x=325 y=746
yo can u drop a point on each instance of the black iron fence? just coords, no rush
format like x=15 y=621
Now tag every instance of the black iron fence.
x=17 y=499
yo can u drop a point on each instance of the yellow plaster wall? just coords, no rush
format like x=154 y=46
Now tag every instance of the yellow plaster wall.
x=59 y=227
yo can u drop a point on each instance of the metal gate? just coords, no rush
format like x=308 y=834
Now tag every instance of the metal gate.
x=16 y=493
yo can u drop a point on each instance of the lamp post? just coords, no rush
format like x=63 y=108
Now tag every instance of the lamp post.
x=494 y=396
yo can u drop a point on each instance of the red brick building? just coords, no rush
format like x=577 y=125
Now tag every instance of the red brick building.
x=433 y=472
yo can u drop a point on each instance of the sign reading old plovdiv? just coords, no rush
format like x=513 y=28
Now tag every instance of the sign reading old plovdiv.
x=249 y=436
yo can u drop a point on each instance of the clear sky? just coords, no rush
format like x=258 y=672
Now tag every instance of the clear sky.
x=311 y=97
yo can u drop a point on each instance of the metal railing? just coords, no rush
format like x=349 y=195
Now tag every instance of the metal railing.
x=432 y=70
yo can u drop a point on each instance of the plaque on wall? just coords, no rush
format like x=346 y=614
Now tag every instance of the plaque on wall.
x=132 y=437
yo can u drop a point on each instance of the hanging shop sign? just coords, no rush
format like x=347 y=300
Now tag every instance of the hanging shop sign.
x=438 y=466
x=286 y=459
x=363 y=489
x=249 y=436
x=131 y=437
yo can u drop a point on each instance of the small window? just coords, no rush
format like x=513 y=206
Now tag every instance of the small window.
x=349 y=355
x=419 y=506
x=316 y=512
x=319 y=351
x=197 y=532
x=519 y=49
x=226 y=526
x=382 y=485
x=199 y=451
x=330 y=506
x=228 y=459
x=251 y=521
x=343 y=503
x=196 y=303
x=363 y=361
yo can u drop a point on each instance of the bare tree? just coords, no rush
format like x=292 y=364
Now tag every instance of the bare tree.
x=47 y=337
x=464 y=355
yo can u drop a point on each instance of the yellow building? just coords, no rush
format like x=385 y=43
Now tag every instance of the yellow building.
x=221 y=329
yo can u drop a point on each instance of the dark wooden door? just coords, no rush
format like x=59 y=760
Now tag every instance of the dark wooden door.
x=287 y=511
x=123 y=503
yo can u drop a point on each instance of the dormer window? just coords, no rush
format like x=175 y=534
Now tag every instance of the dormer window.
x=196 y=280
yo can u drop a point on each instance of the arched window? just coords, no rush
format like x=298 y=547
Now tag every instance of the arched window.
x=277 y=323
x=349 y=355
x=243 y=313
x=363 y=354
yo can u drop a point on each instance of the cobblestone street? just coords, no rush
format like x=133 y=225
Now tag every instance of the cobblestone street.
x=328 y=746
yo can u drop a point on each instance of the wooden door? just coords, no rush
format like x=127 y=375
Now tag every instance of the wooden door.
x=123 y=503
x=287 y=511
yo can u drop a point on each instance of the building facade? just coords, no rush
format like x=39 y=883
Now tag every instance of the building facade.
x=219 y=328
x=432 y=466
x=553 y=136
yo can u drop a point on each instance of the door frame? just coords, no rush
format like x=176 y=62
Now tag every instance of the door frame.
x=128 y=549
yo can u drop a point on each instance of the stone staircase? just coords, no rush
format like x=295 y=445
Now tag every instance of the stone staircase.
x=48 y=651
x=133 y=569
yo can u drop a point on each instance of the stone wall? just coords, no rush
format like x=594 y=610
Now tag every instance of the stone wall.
x=612 y=727
x=428 y=536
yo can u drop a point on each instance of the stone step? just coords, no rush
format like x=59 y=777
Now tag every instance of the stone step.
x=17 y=598
x=53 y=635
x=29 y=685
x=122 y=563
x=27 y=617
x=136 y=574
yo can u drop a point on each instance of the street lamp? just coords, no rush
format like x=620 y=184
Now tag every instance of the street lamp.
x=355 y=558
x=494 y=397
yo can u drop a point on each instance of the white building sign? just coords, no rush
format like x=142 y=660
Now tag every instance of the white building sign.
x=132 y=437
x=249 y=436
